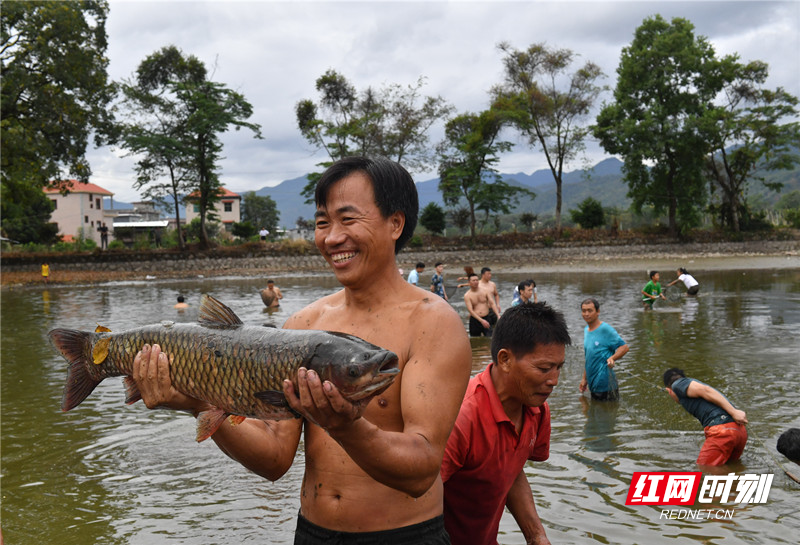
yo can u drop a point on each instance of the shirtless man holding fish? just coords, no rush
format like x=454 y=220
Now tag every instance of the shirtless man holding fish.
x=371 y=471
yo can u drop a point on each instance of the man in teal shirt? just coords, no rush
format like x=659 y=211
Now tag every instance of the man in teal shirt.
x=652 y=291
x=602 y=347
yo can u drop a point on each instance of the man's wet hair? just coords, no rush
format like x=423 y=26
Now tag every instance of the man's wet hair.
x=789 y=444
x=392 y=184
x=525 y=283
x=524 y=327
x=591 y=301
x=671 y=375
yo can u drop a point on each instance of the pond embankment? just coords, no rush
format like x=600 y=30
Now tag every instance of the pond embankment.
x=515 y=255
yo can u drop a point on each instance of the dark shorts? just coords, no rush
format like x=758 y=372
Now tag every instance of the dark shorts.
x=693 y=290
x=612 y=395
x=430 y=532
x=477 y=330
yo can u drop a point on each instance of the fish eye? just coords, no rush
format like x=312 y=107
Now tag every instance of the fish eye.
x=352 y=371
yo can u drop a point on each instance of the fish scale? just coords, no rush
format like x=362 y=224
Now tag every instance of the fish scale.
x=237 y=369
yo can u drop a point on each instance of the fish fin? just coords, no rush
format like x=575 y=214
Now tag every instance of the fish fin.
x=277 y=399
x=75 y=346
x=132 y=393
x=101 y=329
x=208 y=422
x=236 y=419
x=100 y=350
x=215 y=314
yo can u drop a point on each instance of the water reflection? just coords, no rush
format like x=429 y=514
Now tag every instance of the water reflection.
x=110 y=473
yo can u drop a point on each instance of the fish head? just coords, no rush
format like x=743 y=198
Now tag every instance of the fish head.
x=358 y=369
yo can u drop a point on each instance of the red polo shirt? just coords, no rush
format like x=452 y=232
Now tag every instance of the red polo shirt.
x=484 y=455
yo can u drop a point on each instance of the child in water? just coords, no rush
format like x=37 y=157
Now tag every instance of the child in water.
x=652 y=291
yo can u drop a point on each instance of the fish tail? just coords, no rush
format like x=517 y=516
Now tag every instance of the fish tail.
x=76 y=347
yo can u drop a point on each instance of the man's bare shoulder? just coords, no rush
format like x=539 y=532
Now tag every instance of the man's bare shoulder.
x=308 y=316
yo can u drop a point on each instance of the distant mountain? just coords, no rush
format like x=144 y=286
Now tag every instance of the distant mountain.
x=111 y=204
x=603 y=179
x=603 y=182
x=290 y=203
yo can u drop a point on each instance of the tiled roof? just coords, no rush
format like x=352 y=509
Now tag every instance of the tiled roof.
x=224 y=192
x=77 y=187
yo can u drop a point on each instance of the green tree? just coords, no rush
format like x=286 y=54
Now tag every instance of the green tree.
x=55 y=93
x=527 y=219
x=157 y=134
x=260 y=211
x=461 y=218
x=748 y=136
x=388 y=122
x=658 y=122
x=185 y=114
x=432 y=218
x=466 y=165
x=547 y=104
x=789 y=200
x=589 y=214
x=244 y=229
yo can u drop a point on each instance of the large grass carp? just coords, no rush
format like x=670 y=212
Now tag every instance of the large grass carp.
x=238 y=369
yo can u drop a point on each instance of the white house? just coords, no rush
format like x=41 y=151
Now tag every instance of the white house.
x=228 y=208
x=79 y=211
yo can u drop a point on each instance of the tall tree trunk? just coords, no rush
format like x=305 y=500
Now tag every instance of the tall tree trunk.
x=733 y=208
x=672 y=213
x=558 y=207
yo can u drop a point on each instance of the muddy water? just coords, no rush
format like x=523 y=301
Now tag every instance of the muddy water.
x=115 y=474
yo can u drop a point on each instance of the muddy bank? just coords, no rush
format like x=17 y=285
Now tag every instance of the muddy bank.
x=558 y=258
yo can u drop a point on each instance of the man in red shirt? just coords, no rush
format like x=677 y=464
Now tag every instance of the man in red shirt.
x=504 y=421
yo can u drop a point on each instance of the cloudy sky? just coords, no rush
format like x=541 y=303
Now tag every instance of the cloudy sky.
x=272 y=52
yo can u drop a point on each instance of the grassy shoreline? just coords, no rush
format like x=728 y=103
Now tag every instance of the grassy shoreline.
x=579 y=259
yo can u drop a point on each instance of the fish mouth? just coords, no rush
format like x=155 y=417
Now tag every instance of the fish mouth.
x=382 y=377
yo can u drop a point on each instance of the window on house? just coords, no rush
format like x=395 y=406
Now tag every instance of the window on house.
x=196 y=208
x=85 y=219
x=92 y=223
x=97 y=204
x=228 y=206
x=55 y=204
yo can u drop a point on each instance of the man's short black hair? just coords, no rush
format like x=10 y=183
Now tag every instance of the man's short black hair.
x=653 y=273
x=591 y=301
x=671 y=375
x=524 y=327
x=420 y=265
x=525 y=283
x=392 y=184
x=789 y=444
x=485 y=270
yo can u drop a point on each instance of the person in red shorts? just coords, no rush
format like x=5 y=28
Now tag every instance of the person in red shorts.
x=504 y=421
x=723 y=423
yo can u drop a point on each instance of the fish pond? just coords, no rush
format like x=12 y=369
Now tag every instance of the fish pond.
x=107 y=473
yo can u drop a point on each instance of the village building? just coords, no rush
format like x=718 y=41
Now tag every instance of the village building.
x=228 y=208
x=79 y=212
